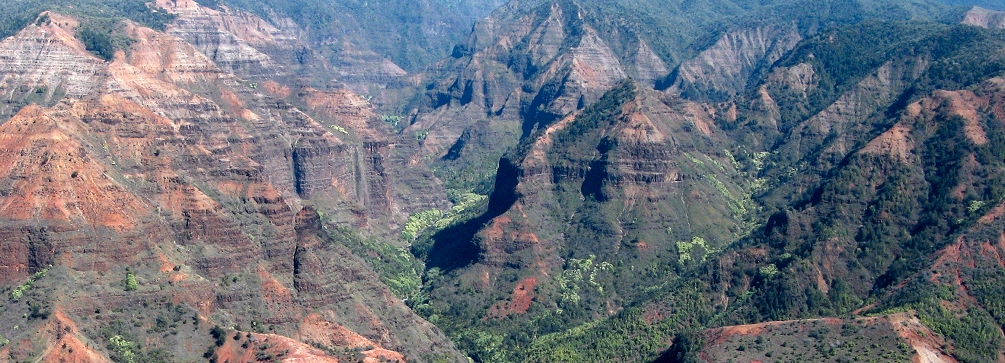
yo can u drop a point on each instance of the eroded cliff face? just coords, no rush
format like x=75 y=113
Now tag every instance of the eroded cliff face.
x=723 y=70
x=44 y=62
x=638 y=177
x=831 y=134
x=278 y=49
x=519 y=72
x=166 y=167
x=229 y=38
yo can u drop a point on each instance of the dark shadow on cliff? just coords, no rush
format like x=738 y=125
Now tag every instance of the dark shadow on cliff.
x=686 y=348
x=455 y=247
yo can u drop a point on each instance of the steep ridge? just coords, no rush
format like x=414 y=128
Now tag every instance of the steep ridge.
x=411 y=35
x=227 y=247
x=733 y=58
x=898 y=337
x=722 y=71
x=276 y=49
x=170 y=58
x=42 y=186
x=558 y=213
x=519 y=71
x=366 y=171
x=323 y=167
x=533 y=62
x=226 y=190
x=174 y=204
x=43 y=62
x=869 y=222
x=588 y=213
x=227 y=38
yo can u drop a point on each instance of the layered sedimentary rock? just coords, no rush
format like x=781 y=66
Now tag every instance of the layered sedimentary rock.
x=277 y=49
x=228 y=38
x=43 y=62
x=163 y=166
x=636 y=174
x=723 y=70
x=517 y=73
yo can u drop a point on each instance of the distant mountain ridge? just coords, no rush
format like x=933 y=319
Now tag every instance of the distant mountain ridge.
x=746 y=84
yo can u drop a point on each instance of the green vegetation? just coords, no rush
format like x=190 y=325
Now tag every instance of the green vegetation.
x=471 y=163
x=614 y=254
x=464 y=202
x=769 y=271
x=687 y=345
x=397 y=267
x=686 y=250
x=638 y=333
x=394 y=121
x=100 y=19
x=130 y=283
x=676 y=30
x=219 y=335
x=580 y=274
x=420 y=136
x=885 y=215
x=622 y=273
x=123 y=348
x=103 y=37
x=418 y=222
x=973 y=333
x=339 y=129
x=19 y=291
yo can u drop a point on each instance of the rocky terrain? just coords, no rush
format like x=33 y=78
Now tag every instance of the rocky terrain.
x=590 y=218
x=167 y=183
x=575 y=180
x=985 y=18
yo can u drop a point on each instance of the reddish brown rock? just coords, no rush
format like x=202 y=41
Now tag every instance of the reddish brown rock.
x=170 y=170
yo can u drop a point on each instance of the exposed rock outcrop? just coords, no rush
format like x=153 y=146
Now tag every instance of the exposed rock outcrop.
x=985 y=18
x=518 y=72
x=167 y=167
x=724 y=69
x=43 y=62
x=656 y=157
x=227 y=37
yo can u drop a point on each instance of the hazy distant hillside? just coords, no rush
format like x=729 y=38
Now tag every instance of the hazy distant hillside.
x=413 y=34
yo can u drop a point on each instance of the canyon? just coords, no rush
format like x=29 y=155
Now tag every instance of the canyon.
x=566 y=180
